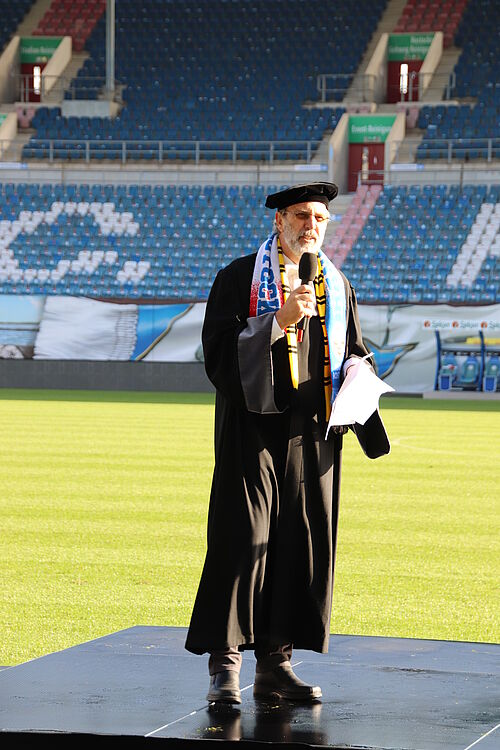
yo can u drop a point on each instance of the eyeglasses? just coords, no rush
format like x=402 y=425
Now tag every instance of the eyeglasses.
x=306 y=215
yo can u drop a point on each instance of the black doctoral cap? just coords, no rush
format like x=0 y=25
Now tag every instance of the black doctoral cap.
x=324 y=192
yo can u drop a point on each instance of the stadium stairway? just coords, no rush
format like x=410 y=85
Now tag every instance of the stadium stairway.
x=32 y=19
x=387 y=23
x=446 y=66
x=338 y=246
x=56 y=95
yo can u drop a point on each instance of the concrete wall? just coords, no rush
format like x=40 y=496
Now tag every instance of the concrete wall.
x=57 y=64
x=8 y=131
x=89 y=108
x=338 y=155
x=183 y=377
x=394 y=139
x=9 y=71
x=239 y=175
x=430 y=63
x=377 y=67
x=117 y=174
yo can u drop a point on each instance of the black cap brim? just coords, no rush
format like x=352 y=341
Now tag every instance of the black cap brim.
x=323 y=192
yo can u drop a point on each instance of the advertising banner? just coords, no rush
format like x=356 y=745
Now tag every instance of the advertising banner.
x=401 y=337
x=403 y=47
x=370 y=128
x=38 y=49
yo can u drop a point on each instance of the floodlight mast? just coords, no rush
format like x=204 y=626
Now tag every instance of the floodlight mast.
x=110 y=48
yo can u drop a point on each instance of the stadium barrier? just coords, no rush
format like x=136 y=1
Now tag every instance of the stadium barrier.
x=63 y=87
x=417 y=151
x=332 y=87
x=160 y=151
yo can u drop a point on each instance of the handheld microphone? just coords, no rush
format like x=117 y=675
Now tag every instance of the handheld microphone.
x=308 y=266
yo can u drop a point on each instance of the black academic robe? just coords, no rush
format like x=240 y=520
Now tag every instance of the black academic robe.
x=272 y=523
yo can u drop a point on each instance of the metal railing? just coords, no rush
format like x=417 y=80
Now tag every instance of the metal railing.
x=460 y=174
x=332 y=87
x=64 y=87
x=56 y=149
x=447 y=149
x=425 y=86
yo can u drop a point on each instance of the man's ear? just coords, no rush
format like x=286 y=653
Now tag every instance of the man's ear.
x=278 y=219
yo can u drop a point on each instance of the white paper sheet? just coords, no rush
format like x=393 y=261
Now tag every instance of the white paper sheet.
x=358 y=397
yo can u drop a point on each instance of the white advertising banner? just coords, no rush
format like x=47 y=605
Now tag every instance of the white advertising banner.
x=402 y=337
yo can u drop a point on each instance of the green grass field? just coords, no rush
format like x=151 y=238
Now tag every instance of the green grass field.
x=104 y=501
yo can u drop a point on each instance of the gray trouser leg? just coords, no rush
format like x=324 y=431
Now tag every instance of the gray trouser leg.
x=268 y=657
x=227 y=659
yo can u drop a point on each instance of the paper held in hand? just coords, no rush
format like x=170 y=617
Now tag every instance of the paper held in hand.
x=358 y=397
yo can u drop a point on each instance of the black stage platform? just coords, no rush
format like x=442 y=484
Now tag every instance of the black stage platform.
x=140 y=684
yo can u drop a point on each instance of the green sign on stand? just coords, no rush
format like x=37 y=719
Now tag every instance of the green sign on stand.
x=409 y=46
x=2 y=119
x=370 y=128
x=38 y=48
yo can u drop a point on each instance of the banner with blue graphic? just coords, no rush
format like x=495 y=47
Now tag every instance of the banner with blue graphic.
x=402 y=338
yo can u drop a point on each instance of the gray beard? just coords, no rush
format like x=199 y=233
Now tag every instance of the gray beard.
x=293 y=242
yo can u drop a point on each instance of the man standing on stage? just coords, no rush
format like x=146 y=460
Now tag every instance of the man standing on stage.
x=268 y=575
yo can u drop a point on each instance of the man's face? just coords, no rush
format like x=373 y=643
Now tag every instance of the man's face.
x=302 y=228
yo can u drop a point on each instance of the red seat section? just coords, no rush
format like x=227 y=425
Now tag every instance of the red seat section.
x=428 y=15
x=74 y=18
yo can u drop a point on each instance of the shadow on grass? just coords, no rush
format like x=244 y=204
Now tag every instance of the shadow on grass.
x=414 y=403
x=143 y=397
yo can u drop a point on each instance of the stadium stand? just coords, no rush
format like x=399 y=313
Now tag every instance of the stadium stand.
x=410 y=248
x=477 y=71
x=11 y=15
x=168 y=242
x=182 y=83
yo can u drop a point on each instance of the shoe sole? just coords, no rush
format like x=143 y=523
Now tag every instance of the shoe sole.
x=282 y=694
x=224 y=699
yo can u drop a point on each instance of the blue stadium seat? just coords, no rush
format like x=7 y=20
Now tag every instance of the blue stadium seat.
x=491 y=379
x=182 y=83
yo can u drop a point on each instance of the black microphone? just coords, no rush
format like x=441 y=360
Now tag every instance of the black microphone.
x=308 y=266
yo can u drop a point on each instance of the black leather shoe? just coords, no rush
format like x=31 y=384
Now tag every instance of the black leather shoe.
x=224 y=687
x=282 y=682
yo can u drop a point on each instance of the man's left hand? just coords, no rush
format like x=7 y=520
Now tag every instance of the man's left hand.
x=339 y=429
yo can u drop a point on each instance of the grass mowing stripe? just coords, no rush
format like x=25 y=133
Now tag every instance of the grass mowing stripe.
x=104 y=501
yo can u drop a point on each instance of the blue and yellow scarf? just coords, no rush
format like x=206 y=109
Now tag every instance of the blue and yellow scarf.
x=270 y=289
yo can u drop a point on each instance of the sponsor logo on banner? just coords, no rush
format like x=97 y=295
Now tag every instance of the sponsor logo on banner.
x=441 y=324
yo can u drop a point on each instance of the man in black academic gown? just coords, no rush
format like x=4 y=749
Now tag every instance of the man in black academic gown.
x=268 y=575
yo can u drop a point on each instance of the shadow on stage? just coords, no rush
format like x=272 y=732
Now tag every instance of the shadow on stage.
x=139 y=685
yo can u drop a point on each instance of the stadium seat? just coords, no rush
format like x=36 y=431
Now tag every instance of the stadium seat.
x=448 y=372
x=194 y=88
x=468 y=377
x=491 y=379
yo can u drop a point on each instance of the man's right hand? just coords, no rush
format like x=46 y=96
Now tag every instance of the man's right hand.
x=299 y=304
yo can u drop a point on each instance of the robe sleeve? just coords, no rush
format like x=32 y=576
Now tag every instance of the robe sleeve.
x=371 y=436
x=237 y=349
